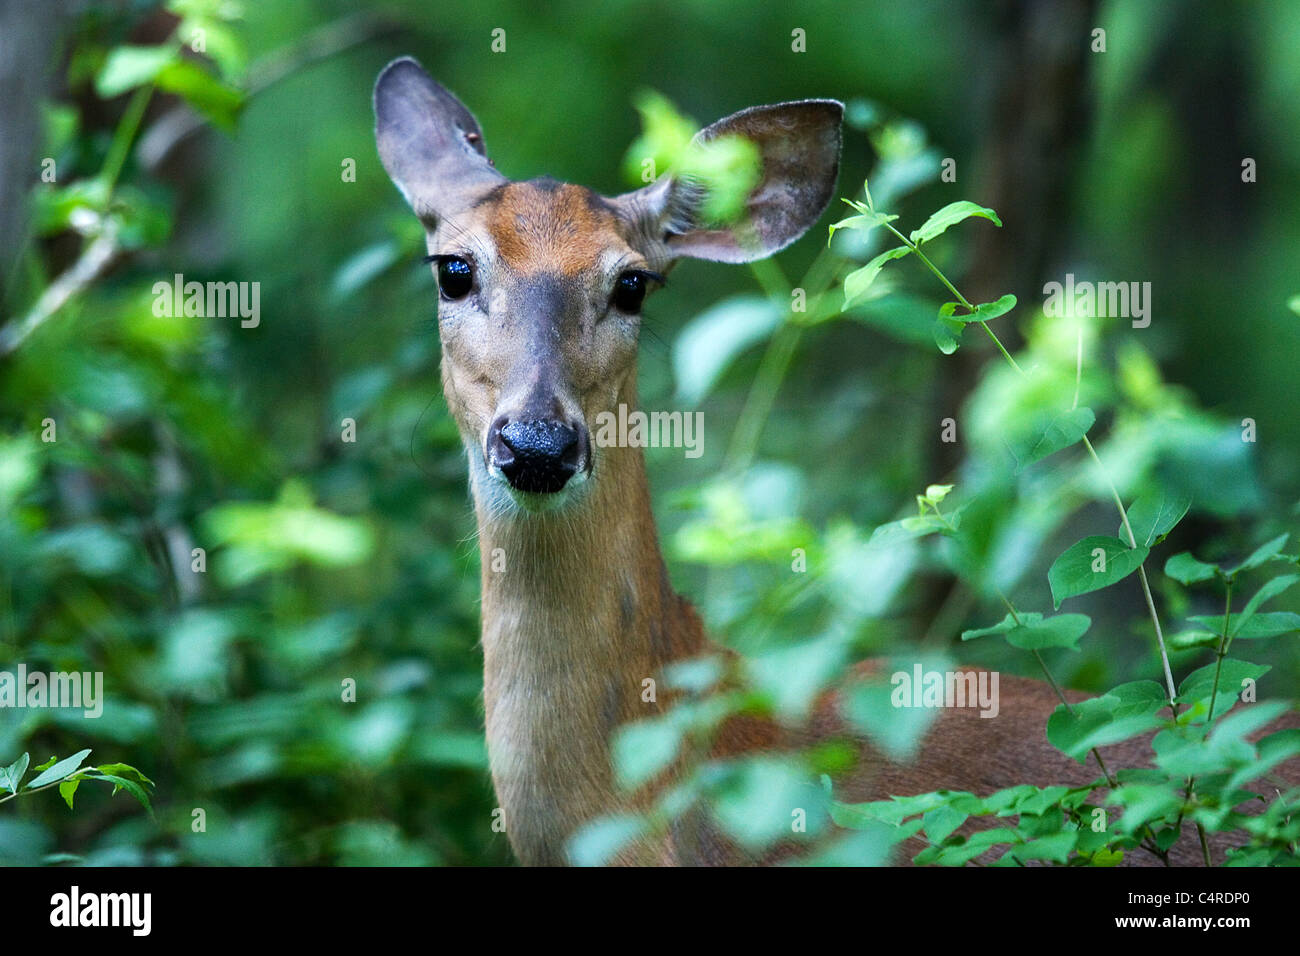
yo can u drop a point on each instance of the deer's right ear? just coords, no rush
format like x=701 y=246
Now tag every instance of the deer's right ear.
x=429 y=143
x=798 y=146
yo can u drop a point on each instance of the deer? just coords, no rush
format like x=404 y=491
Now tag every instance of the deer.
x=540 y=290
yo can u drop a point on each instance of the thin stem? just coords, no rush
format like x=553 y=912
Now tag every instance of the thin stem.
x=23 y=793
x=1078 y=367
x=124 y=136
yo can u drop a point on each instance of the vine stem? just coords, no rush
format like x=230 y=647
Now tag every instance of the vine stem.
x=953 y=289
x=23 y=793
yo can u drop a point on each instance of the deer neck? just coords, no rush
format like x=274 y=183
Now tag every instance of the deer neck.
x=577 y=614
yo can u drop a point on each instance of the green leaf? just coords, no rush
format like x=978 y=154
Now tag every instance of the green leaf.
x=1050 y=434
x=599 y=841
x=950 y=215
x=1265 y=552
x=909 y=529
x=1144 y=803
x=11 y=777
x=1186 y=640
x=1073 y=572
x=859 y=281
x=986 y=311
x=1198 y=684
x=709 y=343
x=1266 y=593
x=1056 y=847
x=1034 y=633
x=123 y=770
x=1154 y=515
x=203 y=91
x=1263 y=624
x=1185 y=569
x=940 y=822
x=130 y=66
x=67 y=789
x=47 y=765
x=64 y=768
x=644 y=748
x=862 y=223
x=121 y=783
x=947 y=332
x=1126 y=711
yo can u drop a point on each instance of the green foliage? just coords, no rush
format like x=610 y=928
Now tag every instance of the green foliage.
x=67 y=774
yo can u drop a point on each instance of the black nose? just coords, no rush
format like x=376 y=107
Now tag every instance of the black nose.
x=538 y=456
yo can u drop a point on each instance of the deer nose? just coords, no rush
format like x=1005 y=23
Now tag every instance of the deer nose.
x=538 y=456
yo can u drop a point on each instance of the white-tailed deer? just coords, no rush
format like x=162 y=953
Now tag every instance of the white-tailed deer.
x=540 y=287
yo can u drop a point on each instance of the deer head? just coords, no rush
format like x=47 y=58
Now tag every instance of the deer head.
x=540 y=283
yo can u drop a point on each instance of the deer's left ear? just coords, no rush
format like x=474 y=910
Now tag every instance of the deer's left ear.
x=799 y=149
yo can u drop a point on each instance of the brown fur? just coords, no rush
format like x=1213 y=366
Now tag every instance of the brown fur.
x=551 y=227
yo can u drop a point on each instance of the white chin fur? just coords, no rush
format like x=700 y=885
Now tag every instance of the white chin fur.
x=496 y=486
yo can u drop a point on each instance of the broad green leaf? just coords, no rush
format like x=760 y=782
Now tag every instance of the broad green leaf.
x=1185 y=569
x=859 y=281
x=123 y=770
x=1273 y=749
x=67 y=789
x=1035 y=632
x=641 y=750
x=1051 y=434
x=1126 y=711
x=1269 y=591
x=987 y=311
x=203 y=91
x=1265 y=552
x=130 y=66
x=950 y=215
x=1154 y=515
x=756 y=804
x=947 y=332
x=1056 y=847
x=872 y=707
x=598 y=842
x=908 y=529
x=709 y=343
x=64 y=768
x=1091 y=564
x=121 y=783
x=1262 y=624
x=1198 y=684
x=1144 y=803
x=940 y=822
x=11 y=777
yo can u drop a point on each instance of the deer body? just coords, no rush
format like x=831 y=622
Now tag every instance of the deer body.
x=540 y=287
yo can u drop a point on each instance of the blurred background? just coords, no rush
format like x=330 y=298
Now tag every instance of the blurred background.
x=130 y=152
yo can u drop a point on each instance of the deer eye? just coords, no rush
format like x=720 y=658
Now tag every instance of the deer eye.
x=630 y=289
x=455 y=276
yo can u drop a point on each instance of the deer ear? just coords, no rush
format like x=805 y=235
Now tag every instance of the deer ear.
x=429 y=143
x=799 y=150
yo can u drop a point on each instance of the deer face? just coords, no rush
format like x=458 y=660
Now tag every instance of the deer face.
x=540 y=283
